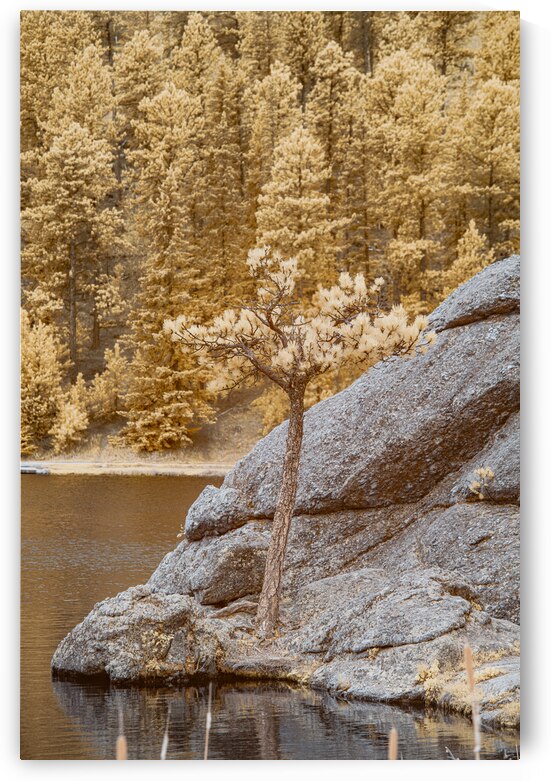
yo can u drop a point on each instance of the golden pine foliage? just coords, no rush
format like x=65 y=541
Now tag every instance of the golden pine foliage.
x=41 y=377
x=72 y=417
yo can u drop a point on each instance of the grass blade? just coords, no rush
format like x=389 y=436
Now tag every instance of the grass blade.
x=393 y=744
x=209 y=722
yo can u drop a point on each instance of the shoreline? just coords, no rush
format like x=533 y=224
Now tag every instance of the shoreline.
x=132 y=468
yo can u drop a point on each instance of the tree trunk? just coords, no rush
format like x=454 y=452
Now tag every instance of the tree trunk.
x=268 y=606
x=491 y=237
x=95 y=330
x=423 y=264
x=73 y=310
x=366 y=41
x=109 y=29
x=396 y=290
x=366 y=253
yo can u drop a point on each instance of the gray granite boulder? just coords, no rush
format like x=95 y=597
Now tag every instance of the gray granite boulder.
x=502 y=455
x=408 y=423
x=220 y=510
x=494 y=291
x=392 y=563
x=481 y=543
x=216 y=570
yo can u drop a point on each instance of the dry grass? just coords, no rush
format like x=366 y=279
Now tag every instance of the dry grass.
x=483 y=657
x=122 y=748
x=510 y=713
x=122 y=745
x=450 y=688
x=208 y=723
x=164 y=747
x=393 y=744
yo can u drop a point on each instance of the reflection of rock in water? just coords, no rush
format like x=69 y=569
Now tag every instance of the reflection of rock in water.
x=256 y=721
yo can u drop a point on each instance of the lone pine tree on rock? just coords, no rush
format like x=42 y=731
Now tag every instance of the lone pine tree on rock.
x=277 y=338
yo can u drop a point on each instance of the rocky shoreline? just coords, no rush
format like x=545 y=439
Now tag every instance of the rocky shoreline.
x=392 y=563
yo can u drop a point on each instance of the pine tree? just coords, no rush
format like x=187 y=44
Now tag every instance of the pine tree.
x=225 y=27
x=405 y=101
x=226 y=233
x=301 y=37
x=356 y=183
x=49 y=43
x=488 y=148
x=404 y=263
x=334 y=78
x=402 y=31
x=41 y=378
x=195 y=60
x=442 y=37
x=203 y=71
x=86 y=98
x=293 y=215
x=110 y=304
x=107 y=390
x=499 y=52
x=170 y=189
x=335 y=113
x=166 y=392
x=139 y=72
x=473 y=254
x=164 y=403
x=168 y=26
x=72 y=417
x=275 y=338
x=273 y=111
x=448 y=35
x=69 y=230
x=359 y=33
x=258 y=31
x=457 y=204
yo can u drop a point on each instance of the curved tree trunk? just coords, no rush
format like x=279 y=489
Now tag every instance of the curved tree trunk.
x=268 y=607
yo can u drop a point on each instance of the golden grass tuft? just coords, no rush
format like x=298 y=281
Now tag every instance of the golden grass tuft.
x=393 y=743
x=511 y=714
x=122 y=747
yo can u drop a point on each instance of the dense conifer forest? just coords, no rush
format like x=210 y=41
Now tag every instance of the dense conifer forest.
x=158 y=148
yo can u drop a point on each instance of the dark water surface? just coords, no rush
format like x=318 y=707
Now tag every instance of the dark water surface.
x=85 y=538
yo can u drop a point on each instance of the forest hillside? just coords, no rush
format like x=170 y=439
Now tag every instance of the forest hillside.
x=158 y=148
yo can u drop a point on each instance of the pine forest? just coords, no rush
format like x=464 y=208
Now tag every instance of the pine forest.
x=159 y=148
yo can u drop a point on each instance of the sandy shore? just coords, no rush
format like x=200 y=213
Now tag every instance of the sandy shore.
x=124 y=468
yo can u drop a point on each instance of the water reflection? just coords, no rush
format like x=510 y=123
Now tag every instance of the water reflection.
x=262 y=721
x=85 y=538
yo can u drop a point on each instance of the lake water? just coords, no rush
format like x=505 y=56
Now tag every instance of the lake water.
x=85 y=538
